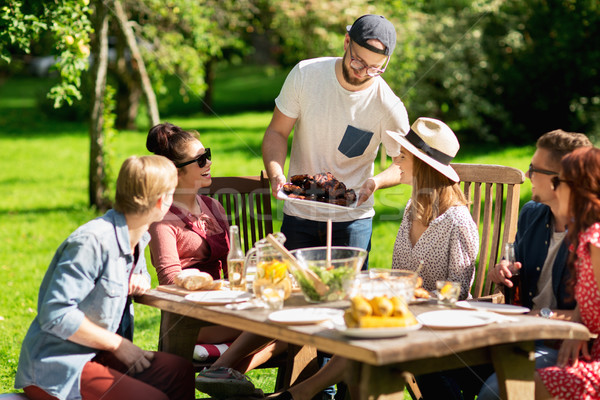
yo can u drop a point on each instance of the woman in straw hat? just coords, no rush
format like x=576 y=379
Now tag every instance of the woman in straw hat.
x=437 y=228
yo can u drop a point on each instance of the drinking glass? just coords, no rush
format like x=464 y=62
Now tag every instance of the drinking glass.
x=448 y=292
x=272 y=294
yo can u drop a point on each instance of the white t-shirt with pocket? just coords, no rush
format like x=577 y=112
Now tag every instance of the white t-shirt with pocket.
x=338 y=131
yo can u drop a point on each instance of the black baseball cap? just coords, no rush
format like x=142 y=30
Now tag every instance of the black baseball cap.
x=373 y=27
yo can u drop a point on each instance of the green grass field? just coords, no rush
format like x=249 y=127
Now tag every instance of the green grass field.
x=43 y=177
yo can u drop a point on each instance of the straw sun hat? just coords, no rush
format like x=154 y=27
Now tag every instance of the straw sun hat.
x=433 y=142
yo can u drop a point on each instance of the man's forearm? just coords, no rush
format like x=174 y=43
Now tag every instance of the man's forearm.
x=389 y=177
x=274 y=151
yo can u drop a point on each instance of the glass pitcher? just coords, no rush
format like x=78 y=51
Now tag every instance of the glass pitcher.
x=271 y=267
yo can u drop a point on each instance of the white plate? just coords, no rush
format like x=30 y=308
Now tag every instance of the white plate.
x=305 y=315
x=450 y=319
x=486 y=306
x=319 y=204
x=376 y=333
x=219 y=297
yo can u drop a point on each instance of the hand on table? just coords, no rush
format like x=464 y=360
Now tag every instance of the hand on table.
x=501 y=274
x=138 y=285
x=569 y=352
x=135 y=359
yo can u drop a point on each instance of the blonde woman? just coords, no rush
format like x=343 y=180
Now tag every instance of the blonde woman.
x=72 y=350
x=437 y=227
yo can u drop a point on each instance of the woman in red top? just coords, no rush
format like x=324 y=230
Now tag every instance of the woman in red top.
x=577 y=371
x=194 y=233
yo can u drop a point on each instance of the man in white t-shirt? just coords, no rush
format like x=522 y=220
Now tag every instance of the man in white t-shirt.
x=340 y=109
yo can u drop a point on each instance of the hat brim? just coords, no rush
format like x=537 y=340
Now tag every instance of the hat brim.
x=444 y=169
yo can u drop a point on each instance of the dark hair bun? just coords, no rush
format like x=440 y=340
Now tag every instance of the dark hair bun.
x=168 y=140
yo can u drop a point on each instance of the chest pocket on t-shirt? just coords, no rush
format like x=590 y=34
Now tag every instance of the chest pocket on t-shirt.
x=354 y=142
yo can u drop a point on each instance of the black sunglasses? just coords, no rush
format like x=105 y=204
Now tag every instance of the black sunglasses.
x=533 y=169
x=555 y=181
x=201 y=160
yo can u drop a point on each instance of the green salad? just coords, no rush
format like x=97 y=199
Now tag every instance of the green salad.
x=337 y=279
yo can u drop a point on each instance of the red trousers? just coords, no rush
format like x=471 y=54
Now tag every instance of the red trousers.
x=169 y=377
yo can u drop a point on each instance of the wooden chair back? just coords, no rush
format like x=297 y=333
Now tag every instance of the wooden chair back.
x=493 y=192
x=247 y=203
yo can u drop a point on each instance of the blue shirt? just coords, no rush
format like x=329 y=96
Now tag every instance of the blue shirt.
x=88 y=276
x=534 y=231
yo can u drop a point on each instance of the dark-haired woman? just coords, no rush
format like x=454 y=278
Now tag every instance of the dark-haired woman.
x=194 y=233
x=577 y=371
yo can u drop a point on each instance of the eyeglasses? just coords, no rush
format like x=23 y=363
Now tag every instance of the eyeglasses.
x=201 y=160
x=555 y=181
x=533 y=169
x=359 y=65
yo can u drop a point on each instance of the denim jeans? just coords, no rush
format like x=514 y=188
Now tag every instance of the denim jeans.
x=457 y=384
x=300 y=233
x=544 y=357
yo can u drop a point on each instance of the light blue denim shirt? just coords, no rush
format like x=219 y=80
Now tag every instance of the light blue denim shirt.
x=88 y=276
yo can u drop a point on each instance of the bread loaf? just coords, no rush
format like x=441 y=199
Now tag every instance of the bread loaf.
x=216 y=285
x=192 y=279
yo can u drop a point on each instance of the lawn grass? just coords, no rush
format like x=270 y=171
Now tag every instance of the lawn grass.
x=44 y=168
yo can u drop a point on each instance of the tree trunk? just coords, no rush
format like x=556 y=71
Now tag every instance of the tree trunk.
x=97 y=176
x=209 y=79
x=129 y=91
x=137 y=62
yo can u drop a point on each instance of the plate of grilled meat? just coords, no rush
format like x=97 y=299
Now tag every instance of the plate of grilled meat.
x=320 y=190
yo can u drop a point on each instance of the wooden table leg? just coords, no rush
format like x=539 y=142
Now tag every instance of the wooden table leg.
x=301 y=363
x=375 y=383
x=515 y=366
x=178 y=334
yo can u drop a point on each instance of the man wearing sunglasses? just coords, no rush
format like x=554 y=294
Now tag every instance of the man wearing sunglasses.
x=540 y=249
x=340 y=109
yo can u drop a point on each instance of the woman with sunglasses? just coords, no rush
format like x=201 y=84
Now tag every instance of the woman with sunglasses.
x=194 y=233
x=577 y=371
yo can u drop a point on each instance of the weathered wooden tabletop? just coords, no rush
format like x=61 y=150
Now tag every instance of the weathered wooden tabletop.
x=509 y=345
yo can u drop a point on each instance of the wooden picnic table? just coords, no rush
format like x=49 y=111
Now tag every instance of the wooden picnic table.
x=378 y=364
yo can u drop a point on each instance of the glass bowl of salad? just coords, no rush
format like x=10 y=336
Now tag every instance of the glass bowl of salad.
x=337 y=276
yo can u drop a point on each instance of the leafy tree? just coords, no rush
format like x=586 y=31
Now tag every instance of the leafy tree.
x=67 y=21
x=174 y=38
x=507 y=70
x=544 y=66
x=183 y=39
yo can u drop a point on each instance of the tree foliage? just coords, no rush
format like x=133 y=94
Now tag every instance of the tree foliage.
x=68 y=23
x=181 y=37
x=493 y=69
x=545 y=66
x=503 y=70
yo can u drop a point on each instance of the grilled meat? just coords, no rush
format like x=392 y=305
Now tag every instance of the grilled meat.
x=321 y=187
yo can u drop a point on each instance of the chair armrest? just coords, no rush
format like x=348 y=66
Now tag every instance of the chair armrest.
x=497 y=298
